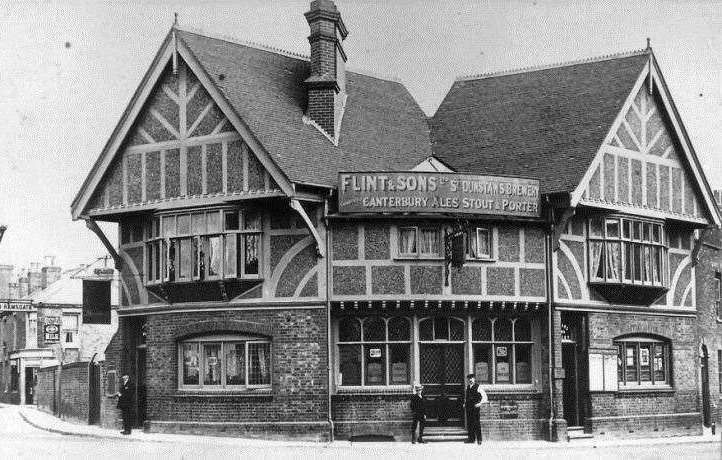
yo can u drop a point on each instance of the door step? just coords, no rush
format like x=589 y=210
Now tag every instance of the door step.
x=577 y=432
x=444 y=434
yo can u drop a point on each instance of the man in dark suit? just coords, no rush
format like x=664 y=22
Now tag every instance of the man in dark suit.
x=125 y=403
x=419 y=413
x=474 y=397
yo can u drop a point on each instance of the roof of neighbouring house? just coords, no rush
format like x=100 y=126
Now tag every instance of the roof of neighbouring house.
x=382 y=127
x=546 y=123
x=68 y=290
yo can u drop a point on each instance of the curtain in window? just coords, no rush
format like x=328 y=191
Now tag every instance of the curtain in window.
x=407 y=241
x=597 y=269
x=613 y=260
x=429 y=242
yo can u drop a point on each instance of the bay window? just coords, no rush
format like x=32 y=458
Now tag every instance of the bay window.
x=374 y=351
x=627 y=251
x=220 y=362
x=204 y=245
x=643 y=361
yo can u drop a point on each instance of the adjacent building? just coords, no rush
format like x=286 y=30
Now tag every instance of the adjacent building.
x=299 y=244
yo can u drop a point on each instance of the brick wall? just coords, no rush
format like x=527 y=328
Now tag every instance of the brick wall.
x=660 y=412
x=73 y=390
x=45 y=391
x=296 y=404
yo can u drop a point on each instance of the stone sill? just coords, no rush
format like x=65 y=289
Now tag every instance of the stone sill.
x=381 y=390
x=261 y=393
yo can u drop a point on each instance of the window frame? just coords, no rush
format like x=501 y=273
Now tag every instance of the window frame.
x=385 y=344
x=513 y=342
x=224 y=341
x=639 y=242
x=489 y=230
x=639 y=342
x=163 y=235
x=418 y=254
x=74 y=338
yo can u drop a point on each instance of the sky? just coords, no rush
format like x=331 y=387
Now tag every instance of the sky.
x=69 y=68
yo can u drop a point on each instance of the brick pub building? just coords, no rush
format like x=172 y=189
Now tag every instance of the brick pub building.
x=286 y=225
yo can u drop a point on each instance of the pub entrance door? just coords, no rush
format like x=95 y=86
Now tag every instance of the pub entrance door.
x=441 y=359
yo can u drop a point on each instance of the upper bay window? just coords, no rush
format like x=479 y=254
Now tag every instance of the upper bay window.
x=627 y=251
x=204 y=245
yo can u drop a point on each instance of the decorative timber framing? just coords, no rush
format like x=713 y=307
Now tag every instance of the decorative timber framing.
x=651 y=73
x=298 y=207
x=171 y=46
x=93 y=226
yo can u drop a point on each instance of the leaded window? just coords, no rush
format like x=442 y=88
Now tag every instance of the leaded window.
x=204 y=245
x=374 y=351
x=502 y=350
x=628 y=251
x=220 y=362
x=643 y=361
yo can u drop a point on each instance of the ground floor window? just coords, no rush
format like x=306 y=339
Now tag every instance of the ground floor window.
x=643 y=361
x=218 y=362
x=502 y=350
x=374 y=351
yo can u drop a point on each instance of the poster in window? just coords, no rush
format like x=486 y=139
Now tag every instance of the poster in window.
x=481 y=371
x=644 y=356
x=374 y=373
x=658 y=363
x=502 y=372
x=399 y=373
x=522 y=372
x=374 y=352
x=630 y=357
x=501 y=352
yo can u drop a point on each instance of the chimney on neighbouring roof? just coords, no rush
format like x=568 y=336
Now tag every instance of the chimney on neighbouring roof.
x=327 y=83
x=6 y=275
x=35 y=278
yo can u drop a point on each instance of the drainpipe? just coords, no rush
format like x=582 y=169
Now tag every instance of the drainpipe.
x=550 y=296
x=329 y=345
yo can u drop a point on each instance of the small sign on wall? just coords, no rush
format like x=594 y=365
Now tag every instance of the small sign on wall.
x=374 y=352
x=51 y=332
x=602 y=372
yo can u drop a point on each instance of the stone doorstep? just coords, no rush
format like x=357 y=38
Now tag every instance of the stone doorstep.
x=577 y=432
x=445 y=434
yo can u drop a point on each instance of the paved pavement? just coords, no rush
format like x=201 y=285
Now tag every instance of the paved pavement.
x=26 y=432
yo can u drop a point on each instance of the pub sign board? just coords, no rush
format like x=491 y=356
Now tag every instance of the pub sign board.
x=52 y=332
x=437 y=192
x=96 y=301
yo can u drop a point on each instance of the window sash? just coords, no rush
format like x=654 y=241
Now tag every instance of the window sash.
x=643 y=363
x=480 y=243
x=214 y=367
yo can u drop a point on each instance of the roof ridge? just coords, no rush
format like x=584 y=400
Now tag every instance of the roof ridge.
x=378 y=75
x=535 y=68
x=248 y=43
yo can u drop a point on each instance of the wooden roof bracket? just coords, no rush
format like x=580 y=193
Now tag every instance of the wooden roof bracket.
x=93 y=226
x=296 y=205
x=559 y=225
x=694 y=255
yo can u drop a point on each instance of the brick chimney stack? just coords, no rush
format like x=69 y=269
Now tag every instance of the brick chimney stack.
x=35 y=278
x=327 y=83
x=50 y=273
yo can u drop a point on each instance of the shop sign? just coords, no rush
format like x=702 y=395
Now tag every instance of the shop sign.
x=52 y=332
x=437 y=192
x=16 y=305
x=508 y=409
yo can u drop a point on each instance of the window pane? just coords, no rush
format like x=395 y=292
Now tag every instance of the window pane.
x=231 y=255
x=596 y=256
x=523 y=363
x=482 y=362
x=627 y=248
x=399 y=329
x=374 y=329
x=407 y=240
x=212 y=364
x=429 y=242
x=235 y=363
x=186 y=259
x=172 y=259
x=657 y=264
x=214 y=255
x=612 y=228
x=426 y=331
x=503 y=359
x=456 y=329
x=199 y=223
x=522 y=330
x=645 y=364
x=349 y=364
x=375 y=356
x=647 y=264
x=637 y=226
x=168 y=226
x=647 y=232
x=231 y=220
x=196 y=261
x=657 y=234
x=483 y=242
x=214 y=225
x=70 y=322
x=595 y=227
x=660 y=374
x=626 y=230
x=184 y=224
x=399 y=370
x=259 y=369
x=613 y=262
x=502 y=329
x=191 y=368
x=637 y=262
x=472 y=244
x=349 y=330
x=481 y=329
x=630 y=362
x=251 y=249
x=252 y=220
x=441 y=329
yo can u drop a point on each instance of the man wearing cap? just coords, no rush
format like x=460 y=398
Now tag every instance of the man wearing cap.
x=419 y=414
x=474 y=397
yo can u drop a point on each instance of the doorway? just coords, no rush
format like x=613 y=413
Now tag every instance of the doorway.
x=574 y=361
x=31 y=377
x=571 y=384
x=441 y=360
x=704 y=366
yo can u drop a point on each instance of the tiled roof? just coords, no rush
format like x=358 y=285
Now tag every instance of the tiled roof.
x=545 y=123
x=68 y=290
x=383 y=127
